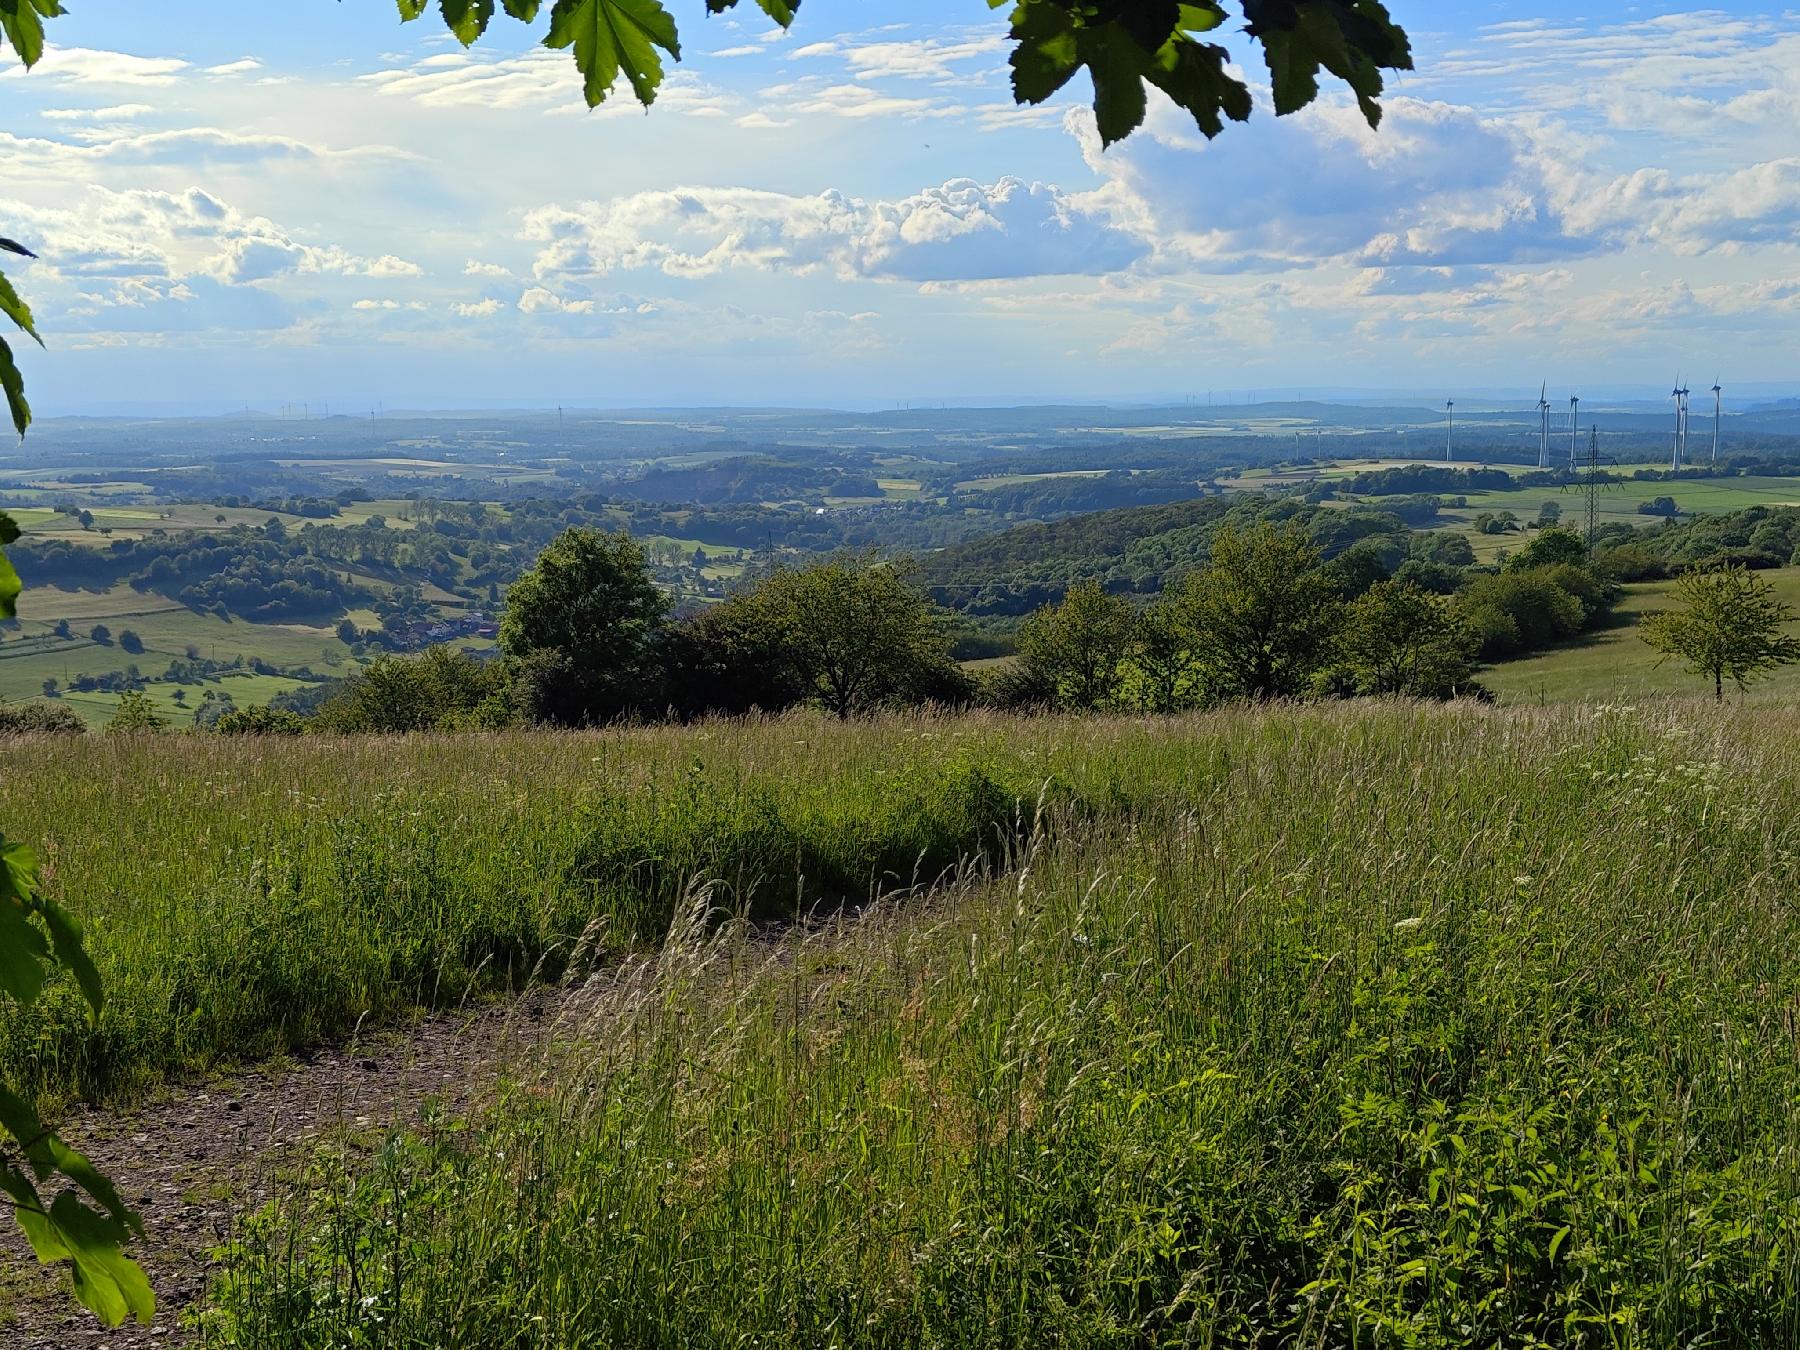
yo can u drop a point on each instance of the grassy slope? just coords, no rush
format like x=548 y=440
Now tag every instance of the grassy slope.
x=1382 y=1026
x=242 y=896
x=1614 y=665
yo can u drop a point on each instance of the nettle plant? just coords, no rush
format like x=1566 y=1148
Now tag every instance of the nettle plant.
x=1125 y=46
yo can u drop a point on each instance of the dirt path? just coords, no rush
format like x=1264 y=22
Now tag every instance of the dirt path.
x=192 y=1161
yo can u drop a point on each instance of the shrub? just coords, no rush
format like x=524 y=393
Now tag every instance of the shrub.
x=39 y=718
x=442 y=688
x=259 y=720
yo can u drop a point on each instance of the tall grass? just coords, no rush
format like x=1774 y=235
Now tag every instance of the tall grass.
x=244 y=897
x=1405 y=1028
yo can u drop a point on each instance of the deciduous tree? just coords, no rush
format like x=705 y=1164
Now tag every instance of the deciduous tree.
x=1076 y=648
x=1263 y=612
x=589 y=601
x=1727 y=625
x=856 y=634
x=1401 y=639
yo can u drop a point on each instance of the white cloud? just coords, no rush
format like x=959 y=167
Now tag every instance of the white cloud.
x=147 y=235
x=82 y=65
x=476 y=268
x=376 y=304
x=538 y=300
x=959 y=231
x=1439 y=185
x=118 y=112
x=239 y=67
x=479 y=309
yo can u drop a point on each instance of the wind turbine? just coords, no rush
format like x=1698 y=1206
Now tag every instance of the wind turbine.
x=1544 y=417
x=1574 y=425
x=1718 y=393
x=1675 y=393
x=1450 y=435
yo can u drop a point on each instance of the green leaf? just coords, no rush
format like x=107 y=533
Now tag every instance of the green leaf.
x=1354 y=40
x=14 y=246
x=1200 y=18
x=522 y=10
x=9 y=529
x=23 y=952
x=75 y=1166
x=14 y=385
x=782 y=11
x=467 y=20
x=1047 y=50
x=106 y=1280
x=610 y=36
x=1193 y=74
x=10 y=587
x=16 y=309
x=65 y=941
x=18 y=872
x=1562 y=1236
x=1118 y=66
x=411 y=9
x=23 y=24
x=19 y=1120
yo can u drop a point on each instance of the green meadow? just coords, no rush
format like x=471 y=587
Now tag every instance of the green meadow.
x=1369 y=1024
x=1613 y=664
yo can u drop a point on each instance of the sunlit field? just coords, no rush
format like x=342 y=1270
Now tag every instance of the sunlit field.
x=1371 y=1023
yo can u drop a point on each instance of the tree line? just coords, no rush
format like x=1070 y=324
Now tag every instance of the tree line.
x=587 y=639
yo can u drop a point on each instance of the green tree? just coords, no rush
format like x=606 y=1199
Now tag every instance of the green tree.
x=1400 y=639
x=1077 y=647
x=1163 y=672
x=1263 y=613
x=439 y=689
x=1727 y=625
x=588 y=609
x=1551 y=548
x=136 y=713
x=857 y=634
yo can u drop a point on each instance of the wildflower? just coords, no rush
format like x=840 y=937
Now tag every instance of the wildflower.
x=1407 y=925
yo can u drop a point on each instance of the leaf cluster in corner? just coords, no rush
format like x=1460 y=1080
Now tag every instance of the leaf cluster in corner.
x=1126 y=46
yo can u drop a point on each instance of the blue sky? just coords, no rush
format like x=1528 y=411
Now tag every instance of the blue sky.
x=259 y=203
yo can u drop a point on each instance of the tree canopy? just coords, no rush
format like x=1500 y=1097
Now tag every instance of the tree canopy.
x=1728 y=626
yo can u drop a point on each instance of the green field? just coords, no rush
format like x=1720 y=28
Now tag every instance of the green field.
x=1614 y=664
x=168 y=630
x=1449 y=1026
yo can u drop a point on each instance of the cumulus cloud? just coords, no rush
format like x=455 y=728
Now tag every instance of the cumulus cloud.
x=1439 y=185
x=962 y=230
x=478 y=309
x=148 y=235
x=538 y=300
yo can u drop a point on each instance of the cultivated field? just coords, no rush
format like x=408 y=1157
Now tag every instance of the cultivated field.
x=1349 y=1025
